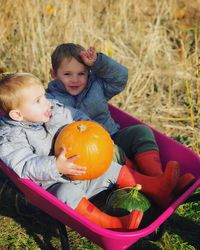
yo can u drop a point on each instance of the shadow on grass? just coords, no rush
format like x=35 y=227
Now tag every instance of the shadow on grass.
x=186 y=228
x=144 y=245
x=38 y=225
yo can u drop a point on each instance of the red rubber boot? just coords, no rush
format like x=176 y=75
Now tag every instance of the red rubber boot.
x=91 y=212
x=159 y=188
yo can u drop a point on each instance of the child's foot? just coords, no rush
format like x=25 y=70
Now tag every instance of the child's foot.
x=162 y=195
x=133 y=220
x=183 y=184
x=159 y=188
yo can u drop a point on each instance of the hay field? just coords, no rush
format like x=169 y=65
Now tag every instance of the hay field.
x=158 y=40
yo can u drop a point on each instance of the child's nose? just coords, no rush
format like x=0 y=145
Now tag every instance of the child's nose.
x=74 y=78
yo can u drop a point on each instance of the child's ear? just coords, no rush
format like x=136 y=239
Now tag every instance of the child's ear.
x=16 y=115
x=53 y=74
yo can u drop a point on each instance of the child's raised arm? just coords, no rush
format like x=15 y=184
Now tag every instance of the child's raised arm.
x=89 y=56
x=110 y=74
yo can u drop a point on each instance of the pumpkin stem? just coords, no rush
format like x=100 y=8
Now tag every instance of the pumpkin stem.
x=82 y=127
x=135 y=190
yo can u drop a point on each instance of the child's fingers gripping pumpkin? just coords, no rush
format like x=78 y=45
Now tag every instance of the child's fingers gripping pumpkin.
x=73 y=168
x=67 y=166
x=62 y=153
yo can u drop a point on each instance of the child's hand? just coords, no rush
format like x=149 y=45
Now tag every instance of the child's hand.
x=89 y=56
x=67 y=167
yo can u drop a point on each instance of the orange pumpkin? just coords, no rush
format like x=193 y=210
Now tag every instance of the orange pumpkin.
x=91 y=142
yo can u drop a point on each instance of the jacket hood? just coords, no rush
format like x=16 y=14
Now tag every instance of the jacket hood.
x=56 y=85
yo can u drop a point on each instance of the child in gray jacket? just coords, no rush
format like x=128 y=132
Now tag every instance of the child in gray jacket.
x=87 y=80
x=28 y=129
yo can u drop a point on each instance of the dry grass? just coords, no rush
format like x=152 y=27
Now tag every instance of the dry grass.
x=157 y=40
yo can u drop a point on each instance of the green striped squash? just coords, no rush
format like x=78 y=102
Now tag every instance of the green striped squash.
x=127 y=199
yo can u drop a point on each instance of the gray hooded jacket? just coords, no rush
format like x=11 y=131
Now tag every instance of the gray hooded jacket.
x=27 y=147
x=106 y=79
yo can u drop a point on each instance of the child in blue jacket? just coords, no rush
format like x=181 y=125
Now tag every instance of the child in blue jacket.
x=87 y=80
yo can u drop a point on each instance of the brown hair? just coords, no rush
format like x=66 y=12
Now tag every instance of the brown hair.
x=66 y=50
x=11 y=86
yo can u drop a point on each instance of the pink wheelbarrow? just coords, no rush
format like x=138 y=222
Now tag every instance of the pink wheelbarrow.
x=108 y=239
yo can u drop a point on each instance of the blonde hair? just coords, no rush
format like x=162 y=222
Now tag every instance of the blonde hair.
x=11 y=86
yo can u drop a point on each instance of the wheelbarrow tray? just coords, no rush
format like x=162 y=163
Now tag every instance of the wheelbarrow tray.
x=109 y=239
